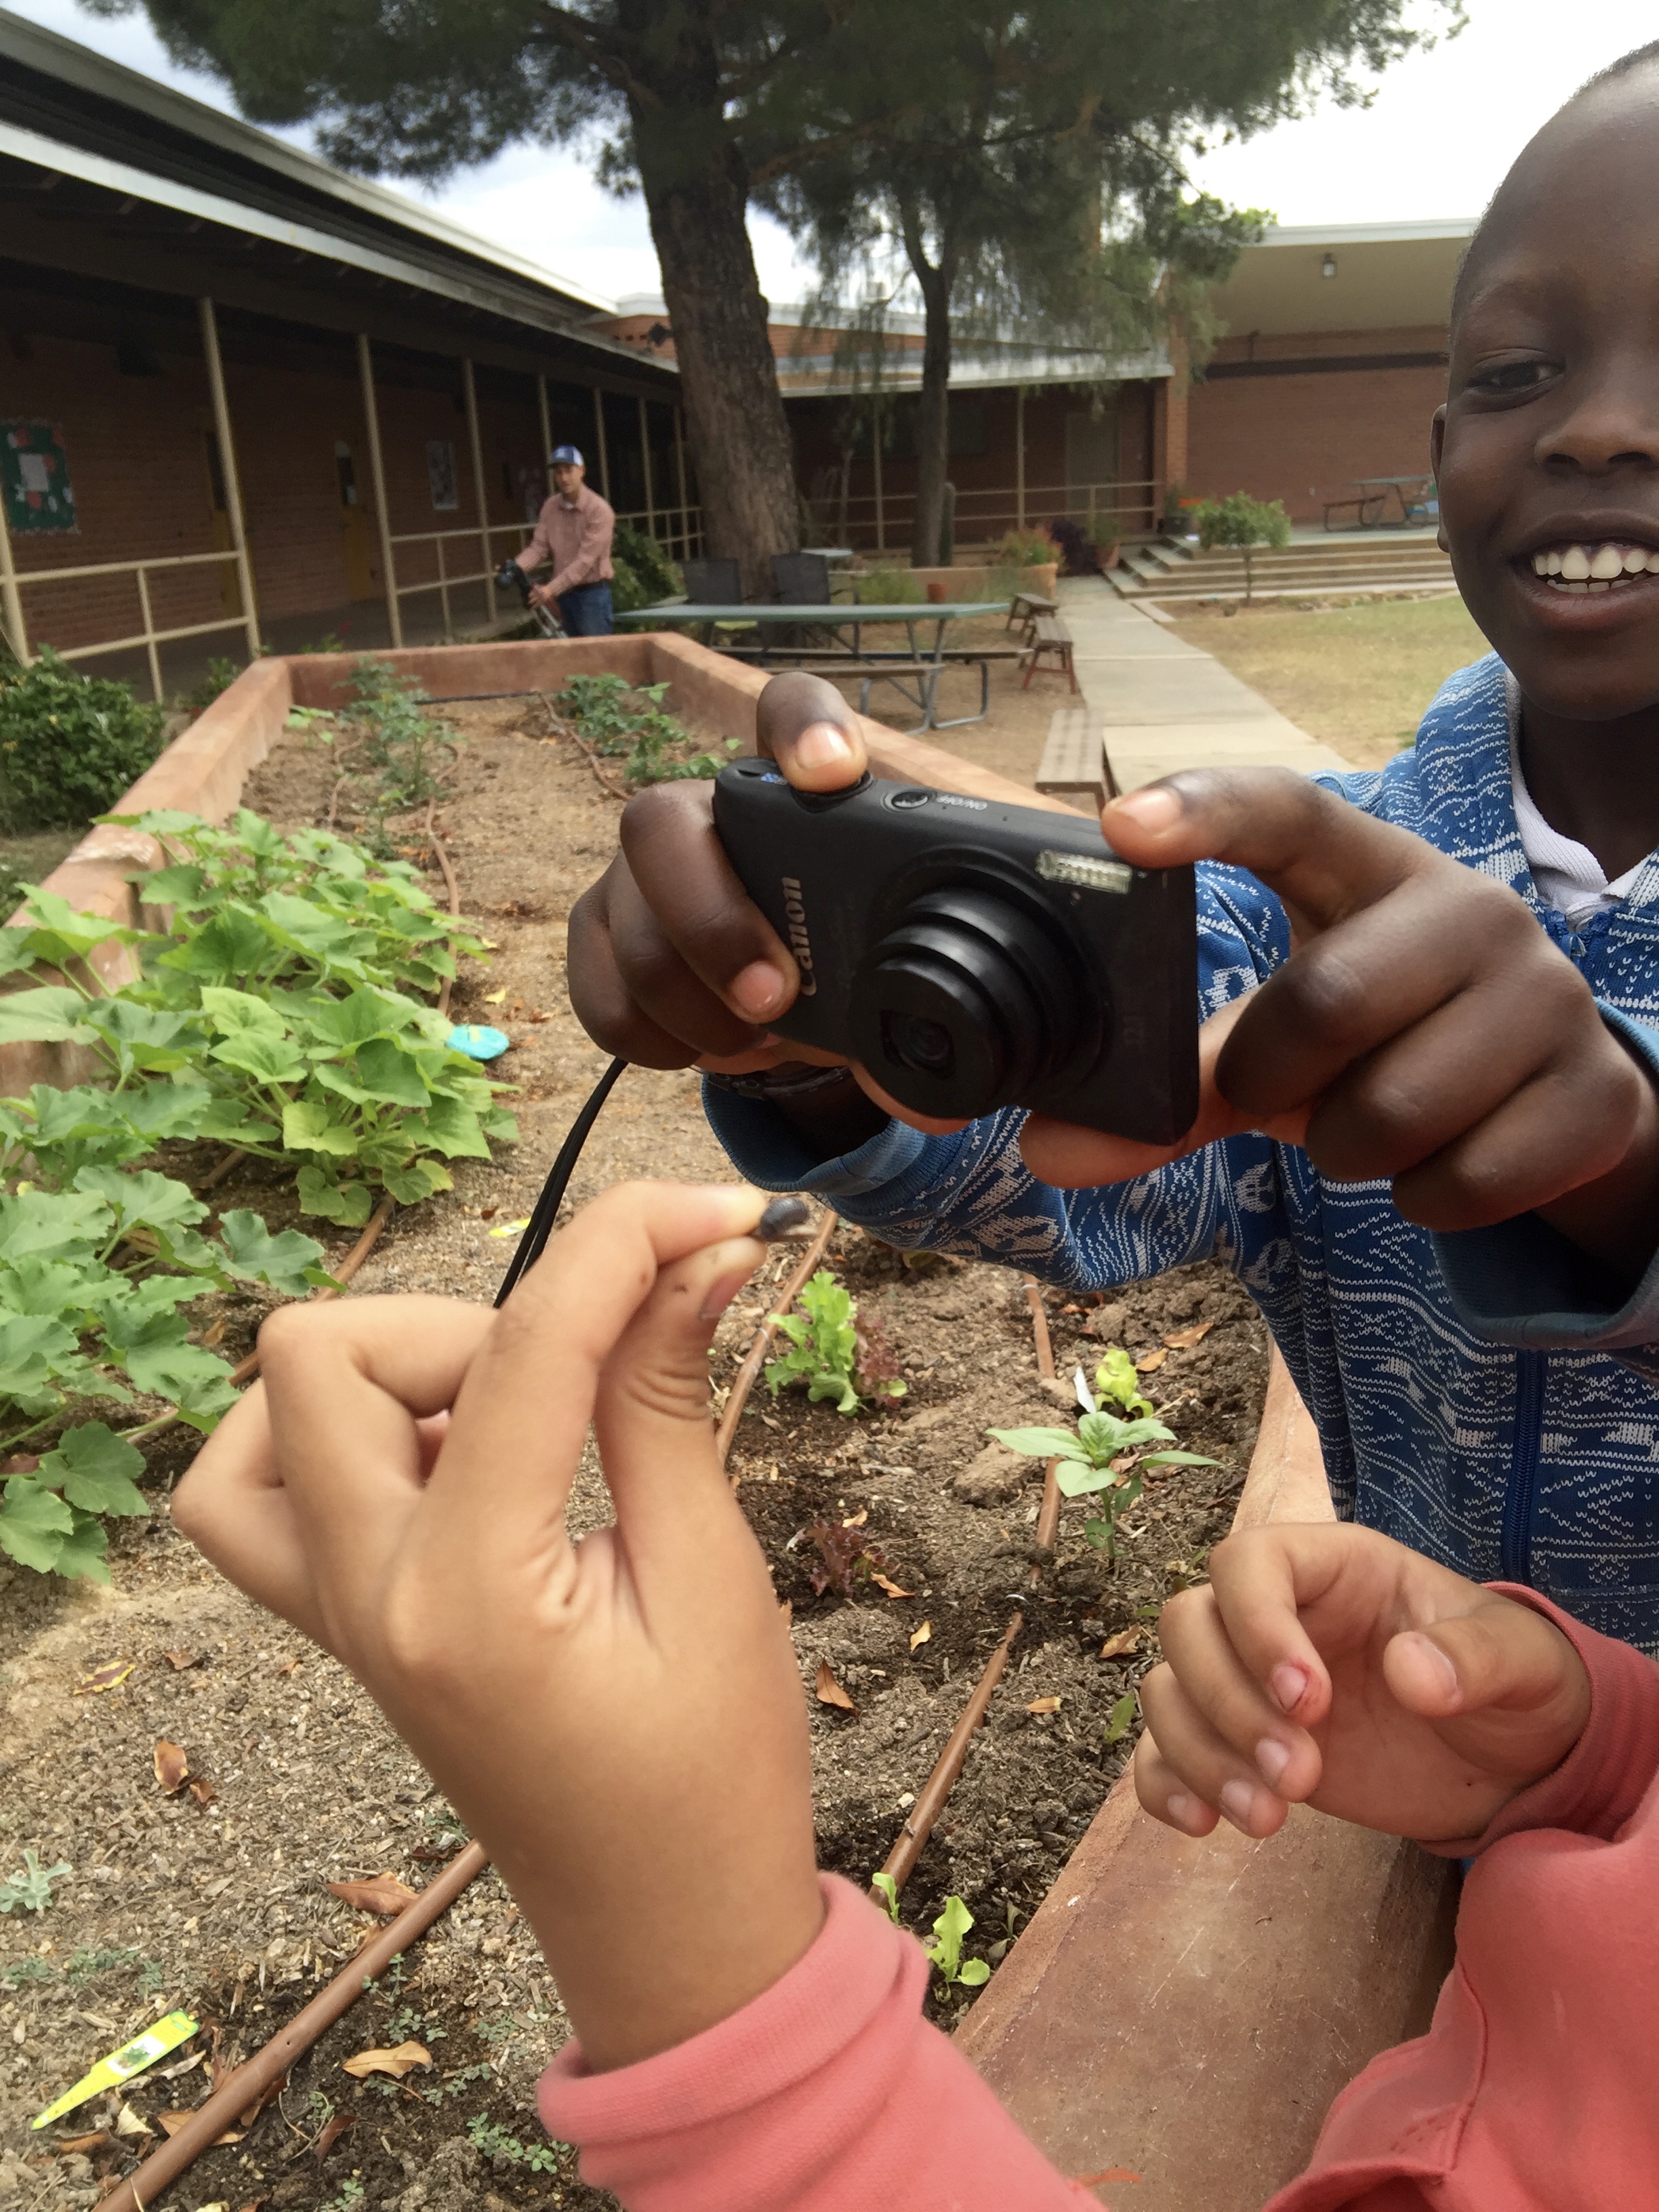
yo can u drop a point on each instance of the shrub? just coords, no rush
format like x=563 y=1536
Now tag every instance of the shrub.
x=615 y=719
x=69 y=745
x=1243 y=523
x=891 y=587
x=648 y=568
x=1025 y=549
x=218 y=677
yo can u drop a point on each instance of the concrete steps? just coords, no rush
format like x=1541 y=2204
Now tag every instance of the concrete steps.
x=1345 y=566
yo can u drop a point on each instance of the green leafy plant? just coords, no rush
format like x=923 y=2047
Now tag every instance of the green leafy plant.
x=1097 y=1458
x=619 y=721
x=649 y=568
x=401 y=752
x=1244 y=524
x=217 y=678
x=891 y=587
x=945 y=1949
x=1025 y=549
x=272 y=1015
x=29 y=1889
x=824 y=1350
x=69 y=745
x=1120 y=1719
x=889 y=1888
x=493 y=2140
x=1117 y=1378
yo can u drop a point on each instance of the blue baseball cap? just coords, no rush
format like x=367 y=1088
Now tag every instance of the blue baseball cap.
x=562 y=454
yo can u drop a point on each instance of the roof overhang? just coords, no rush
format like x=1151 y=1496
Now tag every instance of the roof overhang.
x=1386 y=276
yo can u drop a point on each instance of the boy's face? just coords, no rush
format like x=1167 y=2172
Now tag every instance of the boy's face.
x=1549 y=440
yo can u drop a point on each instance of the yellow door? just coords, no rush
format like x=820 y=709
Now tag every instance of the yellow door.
x=360 y=582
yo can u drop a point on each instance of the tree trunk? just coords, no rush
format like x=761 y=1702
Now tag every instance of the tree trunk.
x=734 y=415
x=933 y=407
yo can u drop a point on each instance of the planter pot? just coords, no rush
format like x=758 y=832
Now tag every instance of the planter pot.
x=1109 y=556
x=1040 y=578
x=939 y=592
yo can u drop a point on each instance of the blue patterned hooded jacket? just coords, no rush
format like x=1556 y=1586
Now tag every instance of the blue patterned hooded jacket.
x=1483 y=1397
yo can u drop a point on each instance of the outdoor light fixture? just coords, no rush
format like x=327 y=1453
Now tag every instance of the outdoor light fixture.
x=1327 y=267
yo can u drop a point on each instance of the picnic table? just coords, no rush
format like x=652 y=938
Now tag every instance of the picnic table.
x=915 y=672
x=1372 y=493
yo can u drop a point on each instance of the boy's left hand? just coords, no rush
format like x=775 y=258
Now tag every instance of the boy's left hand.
x=1326 y=1665
x=621 y=1721
x=1424 y=1030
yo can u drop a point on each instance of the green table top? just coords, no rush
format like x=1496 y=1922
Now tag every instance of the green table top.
x=842 y=615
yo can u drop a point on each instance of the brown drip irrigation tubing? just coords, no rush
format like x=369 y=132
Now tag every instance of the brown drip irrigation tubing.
x=746 y=1376
x=919 y=1822
x=450 y=885
x=241 y=2089
x=1048 y=1511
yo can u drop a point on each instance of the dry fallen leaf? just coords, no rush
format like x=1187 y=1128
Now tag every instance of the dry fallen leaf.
x=494 y=997
x=858 y=1519
x=1126 y=1640
x=395 y=2062
x=290 y=1666
x=216 y=1334
x=201 y=1789
x=830 y=1690
x=107 y=1677
x=75 y=2146
x=268 y=2095
x=127 y=2122
x=923 y=1635
x=386 y=1894
x=1043 y=1705
x=179 y=1660
x=172 y=1765
x=1150 y=1362
x=170 y=2123
x=331 y=2134
x=891 y=1587
x=1183 y=1340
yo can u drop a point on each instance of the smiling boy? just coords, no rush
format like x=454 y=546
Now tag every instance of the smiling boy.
x=1429 y=1143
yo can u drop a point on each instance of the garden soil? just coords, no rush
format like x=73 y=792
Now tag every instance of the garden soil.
x=222 y=1907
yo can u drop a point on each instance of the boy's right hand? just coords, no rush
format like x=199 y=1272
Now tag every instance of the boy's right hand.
x=1326 y=1665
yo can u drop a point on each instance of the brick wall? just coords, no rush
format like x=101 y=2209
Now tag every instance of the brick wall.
x=1300 y=438
x=138 y=462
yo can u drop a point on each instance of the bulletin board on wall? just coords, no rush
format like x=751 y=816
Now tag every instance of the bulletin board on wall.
x=34 y=479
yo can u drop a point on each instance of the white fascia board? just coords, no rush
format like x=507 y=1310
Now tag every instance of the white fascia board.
x=73 y=63
x=1365 y=233
x=983 y=376
x=209 y=207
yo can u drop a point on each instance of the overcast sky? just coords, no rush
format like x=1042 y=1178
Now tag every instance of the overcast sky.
x=1443 y=129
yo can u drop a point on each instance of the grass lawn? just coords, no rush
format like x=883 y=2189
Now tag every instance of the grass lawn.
x=1359 y=677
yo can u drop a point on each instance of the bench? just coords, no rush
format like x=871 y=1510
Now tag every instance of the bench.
x=1024 y=608
x=1051 y=642
x=1367 y=509
x=1075 y=757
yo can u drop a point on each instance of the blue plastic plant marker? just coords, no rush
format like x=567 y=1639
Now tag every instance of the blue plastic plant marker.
x=478 y=1041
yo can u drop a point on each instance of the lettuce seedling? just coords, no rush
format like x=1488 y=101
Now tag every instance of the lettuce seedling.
x=889 y=1888
x=824 y=1350
x=1097 y=1458
x=945 y=1949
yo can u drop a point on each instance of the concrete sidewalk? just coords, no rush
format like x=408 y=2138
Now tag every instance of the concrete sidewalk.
x=1167 y=705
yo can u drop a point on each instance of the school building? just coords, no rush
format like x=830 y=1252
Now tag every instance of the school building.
x=245 y=397
x=1332 y=364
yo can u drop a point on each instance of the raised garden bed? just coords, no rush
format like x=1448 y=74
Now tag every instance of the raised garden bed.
x=223 y=1906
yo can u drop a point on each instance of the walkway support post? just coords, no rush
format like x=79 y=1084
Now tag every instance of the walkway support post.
x=377 y=472
x=679 y=470
x=231 y=472
x=470 y=392
x=547 y=435
x=11 y=600
x=1019 y=452
x=875 y=455
x=645 y=459
x=598 y=437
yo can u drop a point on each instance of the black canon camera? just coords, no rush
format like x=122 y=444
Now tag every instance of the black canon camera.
x=510 y=577
x=974 y=955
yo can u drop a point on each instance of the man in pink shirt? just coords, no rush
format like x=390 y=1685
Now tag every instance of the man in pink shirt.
x=574 y=531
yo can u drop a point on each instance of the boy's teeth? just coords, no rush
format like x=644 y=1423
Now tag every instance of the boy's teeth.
x=1593 y=568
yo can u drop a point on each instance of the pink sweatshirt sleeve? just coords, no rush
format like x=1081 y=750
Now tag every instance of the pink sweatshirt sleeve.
x=828 y=2093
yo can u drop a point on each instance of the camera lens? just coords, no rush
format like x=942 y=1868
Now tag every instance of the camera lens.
x=915 y=1043
x=966 y=1004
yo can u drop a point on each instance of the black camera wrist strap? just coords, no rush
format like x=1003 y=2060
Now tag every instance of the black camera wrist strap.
x=540 y=1227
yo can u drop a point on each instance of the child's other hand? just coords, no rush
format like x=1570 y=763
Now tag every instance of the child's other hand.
x=1424 y=1030
x=621 y=1722
x=1329 y=1666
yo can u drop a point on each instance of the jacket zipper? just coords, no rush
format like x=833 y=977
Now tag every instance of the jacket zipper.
x=1521 y=1498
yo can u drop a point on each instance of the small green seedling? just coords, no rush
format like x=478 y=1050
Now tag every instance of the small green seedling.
x=31 y=1887
x=946 y=1950
x=1120 y=1719
x=824 y=1350
x=495 y=2140
x=1097 y=1457
x=888 y=1889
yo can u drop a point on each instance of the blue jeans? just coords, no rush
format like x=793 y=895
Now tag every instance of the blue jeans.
x=585 y=610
